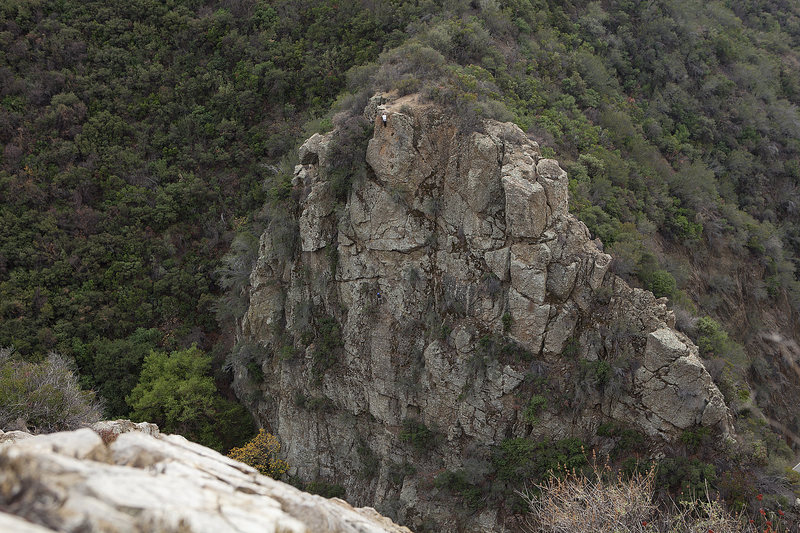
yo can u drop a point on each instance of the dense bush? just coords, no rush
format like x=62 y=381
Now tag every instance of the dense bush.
x=661 y=283
x=601 y=501
x=261 y=452
x=524 y=459
x=535 y=405
x=176 y=392
x=43 y=397
x=138 y=141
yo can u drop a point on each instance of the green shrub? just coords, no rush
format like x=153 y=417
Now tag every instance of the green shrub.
x=523 y=459
x=326 y=490
x=696 y=438
x=328 y=342
x=398 y=472
x=177 y=392
x=661 y=283
x=506 y=320
x=456 y=482
x=627 y=440
x=535 y=406
x=684 y=475
x=511 y=350
x=255 y=372
x=712 y=340
x=321 y=404
x=287 y=352
x=418 y=434
x=598 y=372
x=571 y=348
x=347 y=155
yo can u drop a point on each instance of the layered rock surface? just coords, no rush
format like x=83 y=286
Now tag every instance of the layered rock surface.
x=451 y=283
x=123 y=477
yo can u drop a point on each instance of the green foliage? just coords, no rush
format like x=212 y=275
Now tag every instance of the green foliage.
x=42 y=397
x=347 y=155
x=313 y=403
x=506 y=320
x=523 y=459
x=696 y=438
x=626 y=441
x=328 y=343
x=684 y=475
x=713 y=341
x=176 y=392
x=457 y=483
x=398 y=472
x=370 y=462
x=736 y=488
x=116 y=366
x=419 y=435
x=325 y=489
x=571 y=348
x=597 y=373
x=255 y=372
x=502 y=347
x=137 y=144
x=535 y=406
x=661 y=283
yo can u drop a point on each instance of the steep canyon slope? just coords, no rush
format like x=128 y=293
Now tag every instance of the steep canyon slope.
x=448 y=302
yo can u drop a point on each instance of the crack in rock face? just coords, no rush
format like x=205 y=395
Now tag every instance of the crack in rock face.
x=452 y=272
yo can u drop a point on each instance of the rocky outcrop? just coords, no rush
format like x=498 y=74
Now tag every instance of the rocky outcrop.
x=451 y=286
x=125 y=477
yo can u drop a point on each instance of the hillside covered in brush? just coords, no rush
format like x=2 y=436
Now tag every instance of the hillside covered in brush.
x=146 y=145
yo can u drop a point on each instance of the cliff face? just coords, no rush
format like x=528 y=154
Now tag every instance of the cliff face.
x=123 y=477
x=449 y=289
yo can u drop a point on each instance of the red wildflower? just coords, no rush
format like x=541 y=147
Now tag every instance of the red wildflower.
x=760 y=497
x=780 y=512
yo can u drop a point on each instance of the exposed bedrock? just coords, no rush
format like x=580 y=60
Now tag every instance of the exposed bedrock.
x=452 y=280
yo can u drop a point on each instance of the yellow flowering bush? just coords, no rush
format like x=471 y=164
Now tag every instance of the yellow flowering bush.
x=261 y=452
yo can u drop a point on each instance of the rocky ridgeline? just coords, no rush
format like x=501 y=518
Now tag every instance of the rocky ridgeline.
x=452 y=278
x=122 y=477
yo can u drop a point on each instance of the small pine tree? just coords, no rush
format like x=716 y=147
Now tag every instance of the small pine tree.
x=261 y=452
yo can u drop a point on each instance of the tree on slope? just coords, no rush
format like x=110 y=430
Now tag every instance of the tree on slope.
x=176 y=392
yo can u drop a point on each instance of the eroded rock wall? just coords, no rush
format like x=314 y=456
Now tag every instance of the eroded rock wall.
x=456 y=279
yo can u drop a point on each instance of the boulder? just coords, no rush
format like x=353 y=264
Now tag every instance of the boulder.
x=147 y=481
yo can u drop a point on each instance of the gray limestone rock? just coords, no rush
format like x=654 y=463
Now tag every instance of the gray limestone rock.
x=554 y=180
x=526 y=207
x=459 y=271
x=145 y=481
